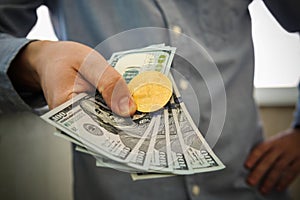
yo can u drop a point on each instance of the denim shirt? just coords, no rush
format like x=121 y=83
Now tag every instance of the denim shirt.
x=222 y=27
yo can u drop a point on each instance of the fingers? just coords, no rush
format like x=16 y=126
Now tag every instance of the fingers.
x=109 y=83
x=62 y=90
x=288 y=176
x=274 y=164
x=275 y=174
x=118 y=97
x=256 y=154
x=265 y=162
x=75 y=68
x=80 y=86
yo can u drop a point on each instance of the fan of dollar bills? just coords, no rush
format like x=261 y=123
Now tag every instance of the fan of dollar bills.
x=147 y=145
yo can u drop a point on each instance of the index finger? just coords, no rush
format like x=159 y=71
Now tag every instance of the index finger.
x=256 y=154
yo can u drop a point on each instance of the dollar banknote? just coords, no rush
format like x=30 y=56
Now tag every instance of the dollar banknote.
x=141 y=160
x=179 y=160
x=200 y=156
x=133 y=62
x=145 y=176
x=161 y=157
x=100 y=161
x=147 y=145
x=87 y=119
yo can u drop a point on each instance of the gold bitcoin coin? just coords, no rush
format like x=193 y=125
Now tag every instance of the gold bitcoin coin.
x=151 y=90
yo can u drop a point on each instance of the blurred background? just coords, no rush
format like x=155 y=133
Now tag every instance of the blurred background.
x=37 y=165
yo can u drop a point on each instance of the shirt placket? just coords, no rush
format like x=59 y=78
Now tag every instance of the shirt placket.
x=177 y=26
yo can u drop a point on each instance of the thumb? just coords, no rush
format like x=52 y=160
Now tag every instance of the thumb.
x=109 y=83
x=116 y=93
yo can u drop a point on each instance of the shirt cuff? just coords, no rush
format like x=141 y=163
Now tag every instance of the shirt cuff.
x=10 y=100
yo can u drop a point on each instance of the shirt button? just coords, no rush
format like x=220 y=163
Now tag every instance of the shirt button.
x=195 y=190
x=177 y=29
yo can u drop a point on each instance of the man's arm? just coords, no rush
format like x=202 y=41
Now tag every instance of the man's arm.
x=16 y=20
x=275 y=163
x=286 y=12
x=64 y=69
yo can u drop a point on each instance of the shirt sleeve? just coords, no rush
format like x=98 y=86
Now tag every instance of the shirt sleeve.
x=296 y=123
x=16 y=20
x=286 y=12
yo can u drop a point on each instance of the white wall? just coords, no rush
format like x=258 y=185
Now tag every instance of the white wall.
x=277 y=52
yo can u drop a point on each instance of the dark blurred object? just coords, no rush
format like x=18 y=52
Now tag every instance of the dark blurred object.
x=286 y=12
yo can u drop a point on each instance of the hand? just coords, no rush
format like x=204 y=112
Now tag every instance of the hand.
x=63 y=69
x=275 y=163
